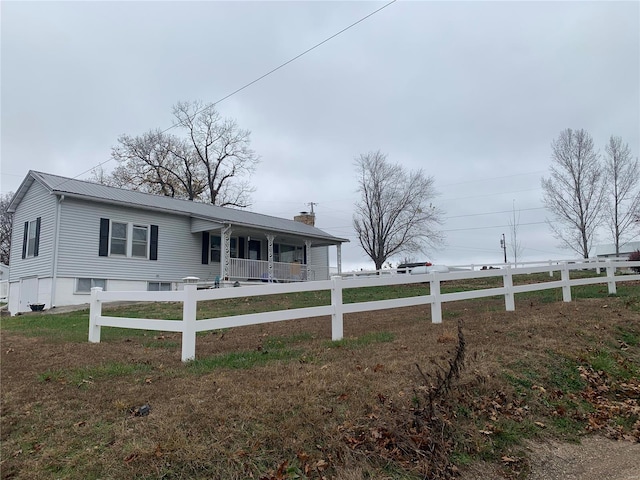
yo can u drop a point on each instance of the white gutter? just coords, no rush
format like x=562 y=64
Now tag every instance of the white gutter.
x=56 y=241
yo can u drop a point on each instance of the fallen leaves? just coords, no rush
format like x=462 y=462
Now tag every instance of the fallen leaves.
x=612 y=403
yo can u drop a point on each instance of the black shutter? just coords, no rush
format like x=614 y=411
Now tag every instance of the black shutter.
x=241 y=241
x=205 y=248
x=25 y=239
x=153 y=254
x=103 y=250
x=36 y=247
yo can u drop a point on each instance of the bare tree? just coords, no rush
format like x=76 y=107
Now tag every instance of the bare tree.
x=100 y=176
x=623 y=181
x=210 y=163
x=6 y=222
x=514 y=226
x=157 y=163
x=221 y=149
x=395 y=214
x=575 y=193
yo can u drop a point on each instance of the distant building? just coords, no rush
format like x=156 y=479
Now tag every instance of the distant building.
x=608 y=250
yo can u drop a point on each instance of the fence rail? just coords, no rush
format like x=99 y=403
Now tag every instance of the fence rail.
x=190 y=297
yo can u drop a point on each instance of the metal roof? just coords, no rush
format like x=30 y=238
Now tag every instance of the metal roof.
x=58 y=185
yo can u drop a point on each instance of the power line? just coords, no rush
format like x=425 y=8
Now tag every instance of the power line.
x=492 y=194
x=457 y=216
x=495 y=178
x=247 y=85
x=492 y=226
x=494 y=213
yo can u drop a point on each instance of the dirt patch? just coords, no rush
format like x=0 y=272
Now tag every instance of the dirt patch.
x=594 y=458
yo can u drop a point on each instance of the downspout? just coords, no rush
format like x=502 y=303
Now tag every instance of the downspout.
x=56 y=238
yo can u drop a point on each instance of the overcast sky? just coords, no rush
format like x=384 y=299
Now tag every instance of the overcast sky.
x=472 y=93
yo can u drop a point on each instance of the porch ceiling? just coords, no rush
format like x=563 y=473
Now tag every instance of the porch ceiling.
x=204 y=225
x=257 y=234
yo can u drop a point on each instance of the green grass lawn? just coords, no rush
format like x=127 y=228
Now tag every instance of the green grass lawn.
x=73 y=327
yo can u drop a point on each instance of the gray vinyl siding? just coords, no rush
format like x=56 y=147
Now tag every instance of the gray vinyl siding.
x=199 y=225
x=37 y=202
x=319 y=256
x=179 y=251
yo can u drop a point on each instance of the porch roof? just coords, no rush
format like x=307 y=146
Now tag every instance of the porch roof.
x=95 y=192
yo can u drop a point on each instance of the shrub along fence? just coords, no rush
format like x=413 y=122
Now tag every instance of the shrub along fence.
x=190 y=296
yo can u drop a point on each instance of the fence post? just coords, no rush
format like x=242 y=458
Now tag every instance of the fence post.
x=611 y=277
x=337 y=327
x=436 y=305
x=566 y=286
x=509 y=298
x=550 y=268
x=95 y=310
x=189 y=318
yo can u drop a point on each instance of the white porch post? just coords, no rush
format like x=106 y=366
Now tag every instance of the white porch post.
x=339 y=259
x=270 y=239
x=307 y=247
x=225 y=251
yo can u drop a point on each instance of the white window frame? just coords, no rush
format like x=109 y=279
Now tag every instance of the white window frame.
x=130 y=226
x=160 y=286
x=126 y=239
x=31 y=238
x=93 y=284
x=233 y=252
x=147 y=228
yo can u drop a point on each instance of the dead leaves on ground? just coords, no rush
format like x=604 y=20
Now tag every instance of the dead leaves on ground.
x=611 y=404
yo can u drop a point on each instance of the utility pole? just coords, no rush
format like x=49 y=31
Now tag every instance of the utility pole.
x=503 y=245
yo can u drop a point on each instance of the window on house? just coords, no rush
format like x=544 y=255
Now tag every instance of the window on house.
x=233 y=247
x=127 y=240
x=215 y=249
x=140 y=241
x=31 y=239
x=159 y=286
x=118 y=238
x=290 y=253
x=31 y=242
x=84 y=285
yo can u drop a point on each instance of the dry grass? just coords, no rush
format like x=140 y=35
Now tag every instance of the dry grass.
x=281 y=401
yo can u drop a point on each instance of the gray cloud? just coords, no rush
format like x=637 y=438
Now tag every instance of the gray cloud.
x=473 y=93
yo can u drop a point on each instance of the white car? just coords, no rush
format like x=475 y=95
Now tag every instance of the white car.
x=429 y=269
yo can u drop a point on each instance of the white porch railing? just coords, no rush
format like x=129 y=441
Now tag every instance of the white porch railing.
x=245 y=269
x=190 y=297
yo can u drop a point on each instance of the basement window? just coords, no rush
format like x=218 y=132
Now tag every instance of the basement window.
x=84 y=285
x=159 y=286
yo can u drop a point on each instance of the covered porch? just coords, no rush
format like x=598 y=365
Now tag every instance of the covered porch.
x=242 y=253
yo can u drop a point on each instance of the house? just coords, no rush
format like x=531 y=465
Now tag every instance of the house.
x=609 y=250
x=71 y=235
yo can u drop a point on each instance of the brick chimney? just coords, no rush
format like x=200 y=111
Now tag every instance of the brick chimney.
x=306 y=217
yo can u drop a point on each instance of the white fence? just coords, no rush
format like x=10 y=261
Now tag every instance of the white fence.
x=190 y=297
